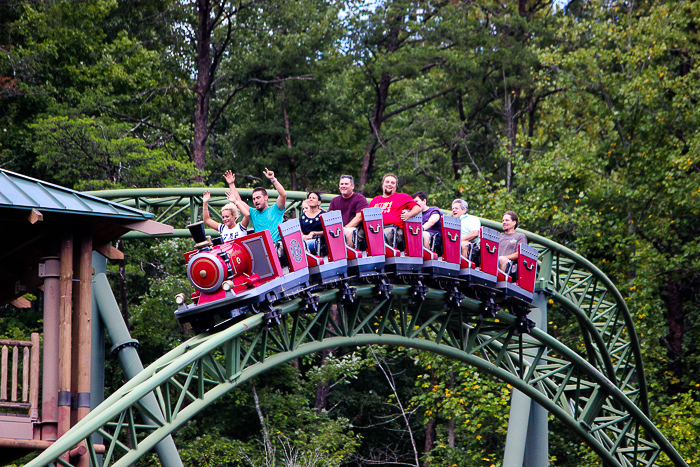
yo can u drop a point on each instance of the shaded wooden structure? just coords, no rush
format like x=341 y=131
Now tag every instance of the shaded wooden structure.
x=47 y=240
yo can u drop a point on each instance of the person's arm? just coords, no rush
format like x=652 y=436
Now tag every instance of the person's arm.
x=282 y=195
x=432 y=220
x=514 y=256
x=230 y=178
x=471 y=235
x=242 y=207
x=355 y=221
x=205 y=211
x=413 y=212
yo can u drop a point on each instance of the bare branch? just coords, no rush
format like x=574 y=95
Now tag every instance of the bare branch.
x=390 y=380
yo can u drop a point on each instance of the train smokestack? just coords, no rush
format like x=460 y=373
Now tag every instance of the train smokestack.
x=198 y=234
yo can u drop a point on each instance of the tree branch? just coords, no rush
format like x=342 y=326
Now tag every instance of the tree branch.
x=416 y=104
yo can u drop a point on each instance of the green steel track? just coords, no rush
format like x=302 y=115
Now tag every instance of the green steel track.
x=595 y=385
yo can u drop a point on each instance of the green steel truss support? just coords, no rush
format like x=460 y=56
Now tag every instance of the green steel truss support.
x=206 y=367
x=595 y=385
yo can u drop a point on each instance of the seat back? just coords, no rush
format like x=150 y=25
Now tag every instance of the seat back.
x=527 y=267
x=413 y=236
x=489 y=240
x=451 y=231
x=293 y=243
x=374 y=231
x=332 y=222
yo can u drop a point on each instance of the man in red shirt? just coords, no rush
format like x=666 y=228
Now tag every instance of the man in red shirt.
x=396 y=208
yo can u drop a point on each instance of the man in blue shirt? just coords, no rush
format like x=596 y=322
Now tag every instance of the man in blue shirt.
x=264 y=216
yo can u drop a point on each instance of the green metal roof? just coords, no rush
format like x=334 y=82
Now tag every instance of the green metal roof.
x=22 y=192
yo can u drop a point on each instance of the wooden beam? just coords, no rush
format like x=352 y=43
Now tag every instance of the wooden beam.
x=21 y=302
x=109 y=252
x=35 y=216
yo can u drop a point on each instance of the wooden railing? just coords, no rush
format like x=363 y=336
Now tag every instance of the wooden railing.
x=19 y=376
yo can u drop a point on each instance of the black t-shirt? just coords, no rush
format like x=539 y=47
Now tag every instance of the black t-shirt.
x=311 y=224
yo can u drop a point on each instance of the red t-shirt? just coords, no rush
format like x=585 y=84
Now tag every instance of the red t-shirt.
x=392 y=207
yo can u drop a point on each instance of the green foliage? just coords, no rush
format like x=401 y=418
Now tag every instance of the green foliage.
x=680 y=424
x=88 y=154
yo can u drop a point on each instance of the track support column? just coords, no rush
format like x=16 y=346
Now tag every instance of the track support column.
x=527 y=441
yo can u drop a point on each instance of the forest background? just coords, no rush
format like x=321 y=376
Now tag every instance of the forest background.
x=582 y=117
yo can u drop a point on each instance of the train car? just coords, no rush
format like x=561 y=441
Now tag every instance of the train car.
x=333 y=266
x=520 y=290
x=446 y=265
x=481 y=271
x=409 y=260
x=370 y=261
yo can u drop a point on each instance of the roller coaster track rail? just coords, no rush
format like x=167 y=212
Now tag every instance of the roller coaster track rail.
x=595 y=385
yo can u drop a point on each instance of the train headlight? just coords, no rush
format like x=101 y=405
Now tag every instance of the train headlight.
x=227 y=285
x=180 y=298
x=206 y=271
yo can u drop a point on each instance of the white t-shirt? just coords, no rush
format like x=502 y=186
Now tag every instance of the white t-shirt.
x=230 y=234
x=469 y=223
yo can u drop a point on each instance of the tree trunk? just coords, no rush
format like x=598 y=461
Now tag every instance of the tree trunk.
x=203 y=87
x=380 y=100
x=511 y=132
x=451 y=423
x=430 y=428
x=430 y=438
x=288 y=140
x=323 y=388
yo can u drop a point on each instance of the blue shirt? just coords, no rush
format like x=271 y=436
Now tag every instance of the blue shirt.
x=268 y=219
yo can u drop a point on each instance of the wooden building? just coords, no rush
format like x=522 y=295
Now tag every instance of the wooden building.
x=47 y=237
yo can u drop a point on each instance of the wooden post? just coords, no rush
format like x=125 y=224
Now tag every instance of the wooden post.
x=15 y=370
x=65 y=331
x=3 y=376
x=34 y=383
x=81 y=329
x=50 y=271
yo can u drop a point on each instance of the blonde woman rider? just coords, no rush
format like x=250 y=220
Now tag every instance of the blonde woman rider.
x=229 y=229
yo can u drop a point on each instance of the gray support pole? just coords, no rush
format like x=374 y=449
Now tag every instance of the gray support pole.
x=527 y=441
x=50 y=271
x=125 y=348
x=97 y=360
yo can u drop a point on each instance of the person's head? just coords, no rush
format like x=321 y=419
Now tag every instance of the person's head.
x=421 y=199
x=459 y=207
x=510 y=221
x=260 y=198
x=313 y=198
x=229 y=214
x=389 y=183
x=346 y=185
x=305 y=208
